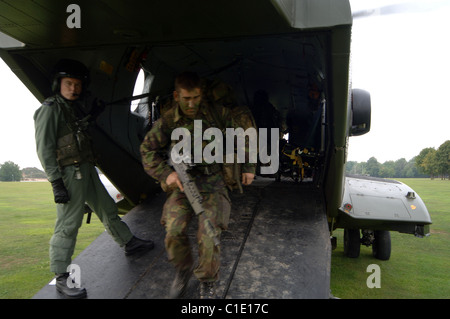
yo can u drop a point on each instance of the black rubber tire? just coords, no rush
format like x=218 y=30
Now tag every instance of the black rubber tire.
x=352 y=242
x=381 y=247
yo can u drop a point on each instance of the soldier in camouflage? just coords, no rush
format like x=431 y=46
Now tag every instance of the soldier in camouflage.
x=221 y=94
x=65 y=151
x=177 y=211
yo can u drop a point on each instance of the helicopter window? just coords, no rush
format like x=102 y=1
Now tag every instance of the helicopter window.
x=139 y=88
x=139 y=85
x=142 y=86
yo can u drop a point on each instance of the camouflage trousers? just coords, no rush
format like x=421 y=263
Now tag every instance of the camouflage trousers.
x=177 y=213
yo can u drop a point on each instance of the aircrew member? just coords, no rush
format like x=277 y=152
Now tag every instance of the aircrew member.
x=64 y=148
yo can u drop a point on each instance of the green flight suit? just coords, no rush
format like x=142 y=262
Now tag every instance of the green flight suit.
x=50 y=125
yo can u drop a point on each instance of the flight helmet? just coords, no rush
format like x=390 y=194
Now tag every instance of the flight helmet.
x=67 y=68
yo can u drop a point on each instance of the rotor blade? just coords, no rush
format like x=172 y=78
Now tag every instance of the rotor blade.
x=404 y=7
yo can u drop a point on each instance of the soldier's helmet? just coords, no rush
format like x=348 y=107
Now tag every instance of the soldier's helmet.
x=67 y=68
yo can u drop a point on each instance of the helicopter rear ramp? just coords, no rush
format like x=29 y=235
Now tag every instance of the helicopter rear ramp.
x=277 y=246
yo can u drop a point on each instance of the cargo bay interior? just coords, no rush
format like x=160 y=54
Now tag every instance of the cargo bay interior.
x=281 y=79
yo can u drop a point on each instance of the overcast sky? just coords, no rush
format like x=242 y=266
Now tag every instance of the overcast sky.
x=401 y=59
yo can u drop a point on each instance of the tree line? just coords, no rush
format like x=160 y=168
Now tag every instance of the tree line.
x=428 y=163
x=11 y=172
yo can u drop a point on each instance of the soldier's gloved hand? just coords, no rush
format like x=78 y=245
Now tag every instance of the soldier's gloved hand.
x=60 y=191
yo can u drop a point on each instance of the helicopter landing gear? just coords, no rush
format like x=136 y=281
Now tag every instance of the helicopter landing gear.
x=380 y=240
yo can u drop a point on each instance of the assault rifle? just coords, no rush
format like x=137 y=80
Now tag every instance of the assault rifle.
x=192 y=193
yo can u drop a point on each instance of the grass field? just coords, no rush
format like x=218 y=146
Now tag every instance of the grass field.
x=418 y=268
x=27 y=218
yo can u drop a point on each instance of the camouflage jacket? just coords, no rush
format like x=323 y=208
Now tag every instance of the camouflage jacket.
x=157 y=144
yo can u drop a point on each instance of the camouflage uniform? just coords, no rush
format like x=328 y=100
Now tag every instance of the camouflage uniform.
x=177 y=211
x=221 y=94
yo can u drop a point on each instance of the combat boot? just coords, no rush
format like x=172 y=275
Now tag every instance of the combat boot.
x=208 y=290
x=137 y=245
x=72 y=293
x=180 y=283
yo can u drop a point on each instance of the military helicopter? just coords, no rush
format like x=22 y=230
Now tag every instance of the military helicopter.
x=278 y=241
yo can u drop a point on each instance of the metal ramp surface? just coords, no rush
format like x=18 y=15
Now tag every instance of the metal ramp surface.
x=277 y=246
